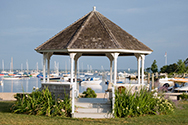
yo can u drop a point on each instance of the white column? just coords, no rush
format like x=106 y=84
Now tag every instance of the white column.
x=48 y=56
x=48 y=73
x=73 y=84
x=44 y=67
x=115 y=56
x=111 y=58
x=143 y=58
x=77 y=56
x=138 y=66
x=75 y=73
x=110 y=71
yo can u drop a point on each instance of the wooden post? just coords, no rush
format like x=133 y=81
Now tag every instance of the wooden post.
x=152 y=79
x=156 y=74
x=148 y=78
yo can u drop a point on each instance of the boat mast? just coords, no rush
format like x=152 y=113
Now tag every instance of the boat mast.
x=3 y=65
x=21 y=67
x=11 y=70
x=37 y=67
x=27 y=66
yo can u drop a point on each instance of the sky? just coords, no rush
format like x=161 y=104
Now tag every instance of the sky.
x=24 y=25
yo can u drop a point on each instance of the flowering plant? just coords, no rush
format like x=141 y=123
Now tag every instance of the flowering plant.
x=41 y=103
x=139 y=103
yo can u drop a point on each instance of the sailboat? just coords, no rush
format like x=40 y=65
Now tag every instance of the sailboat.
x=11 y=75
x=3 y=72
x=89 y=73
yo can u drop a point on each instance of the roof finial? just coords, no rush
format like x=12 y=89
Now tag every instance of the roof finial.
x=94 y=8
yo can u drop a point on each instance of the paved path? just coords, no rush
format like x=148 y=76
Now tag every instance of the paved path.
x=7 y=96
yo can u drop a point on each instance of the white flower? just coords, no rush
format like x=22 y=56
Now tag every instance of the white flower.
x=127 y=108
x=62 y=100
x=62 y=110
x=34 y=88
x=26 y=96
x=137 y=107
x=155 y=94
x=37 y=88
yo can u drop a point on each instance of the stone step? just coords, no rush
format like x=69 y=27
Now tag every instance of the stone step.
x=92 y=100
x=93 y=110
x=93 y=115
x=93 y=105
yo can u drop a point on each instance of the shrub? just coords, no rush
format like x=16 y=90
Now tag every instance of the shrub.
x=184 y=96
x=89 y=93
x=42 y=103
x=140 y=103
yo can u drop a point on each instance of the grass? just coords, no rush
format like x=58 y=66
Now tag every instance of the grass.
x=180 y=116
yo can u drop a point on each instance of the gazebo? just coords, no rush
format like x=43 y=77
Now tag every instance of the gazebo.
x=93 y=35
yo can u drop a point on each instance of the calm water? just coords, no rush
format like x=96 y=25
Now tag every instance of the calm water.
x=27 y=85
x=20 y=85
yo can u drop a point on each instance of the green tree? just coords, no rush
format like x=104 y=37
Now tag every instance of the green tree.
x=169 y=68
x=148 y=69
x=181 y=66
x=154 y=67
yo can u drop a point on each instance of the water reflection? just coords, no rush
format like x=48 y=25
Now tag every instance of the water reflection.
x=27 y=84
x=21 y=85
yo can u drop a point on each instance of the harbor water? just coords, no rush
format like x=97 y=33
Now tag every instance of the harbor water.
x=27 y=85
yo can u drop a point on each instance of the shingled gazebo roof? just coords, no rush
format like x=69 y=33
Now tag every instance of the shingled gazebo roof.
x=93 y=34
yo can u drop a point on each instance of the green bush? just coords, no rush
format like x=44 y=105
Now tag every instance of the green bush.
x=89 y=93
x=184 y=96
x=42 y=103
x=128 y=104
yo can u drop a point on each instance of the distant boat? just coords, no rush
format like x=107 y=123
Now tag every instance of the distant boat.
x=11 y=78
x=55 y=79
x=91 y=81
x=88 y=74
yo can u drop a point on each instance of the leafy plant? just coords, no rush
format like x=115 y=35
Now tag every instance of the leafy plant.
x=41 y=103
x=89 y=93
x=184 y=96
x=139 y=103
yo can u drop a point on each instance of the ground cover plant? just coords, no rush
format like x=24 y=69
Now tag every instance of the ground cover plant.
x=41 y=103
x=139 y=103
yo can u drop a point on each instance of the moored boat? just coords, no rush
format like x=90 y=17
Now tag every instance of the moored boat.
x=91 y=81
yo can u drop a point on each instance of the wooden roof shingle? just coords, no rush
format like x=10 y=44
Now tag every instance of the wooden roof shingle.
x=93 y=31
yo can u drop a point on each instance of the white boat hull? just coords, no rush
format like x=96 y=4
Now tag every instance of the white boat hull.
x=11 y=78
x=91 y=82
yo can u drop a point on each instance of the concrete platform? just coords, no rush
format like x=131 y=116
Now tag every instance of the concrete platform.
x=7 y=97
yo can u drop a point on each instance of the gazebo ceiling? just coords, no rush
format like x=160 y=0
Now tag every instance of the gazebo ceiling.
x=93 y=34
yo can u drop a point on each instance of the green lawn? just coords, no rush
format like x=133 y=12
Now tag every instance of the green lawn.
x=180 y=116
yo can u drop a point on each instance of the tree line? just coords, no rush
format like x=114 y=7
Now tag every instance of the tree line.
x=179 y=67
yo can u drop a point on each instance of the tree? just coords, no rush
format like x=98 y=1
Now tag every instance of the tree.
x=181 y=66
x=148 y=69
x=169 y=68
x=154 y=67
x=186 y=62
